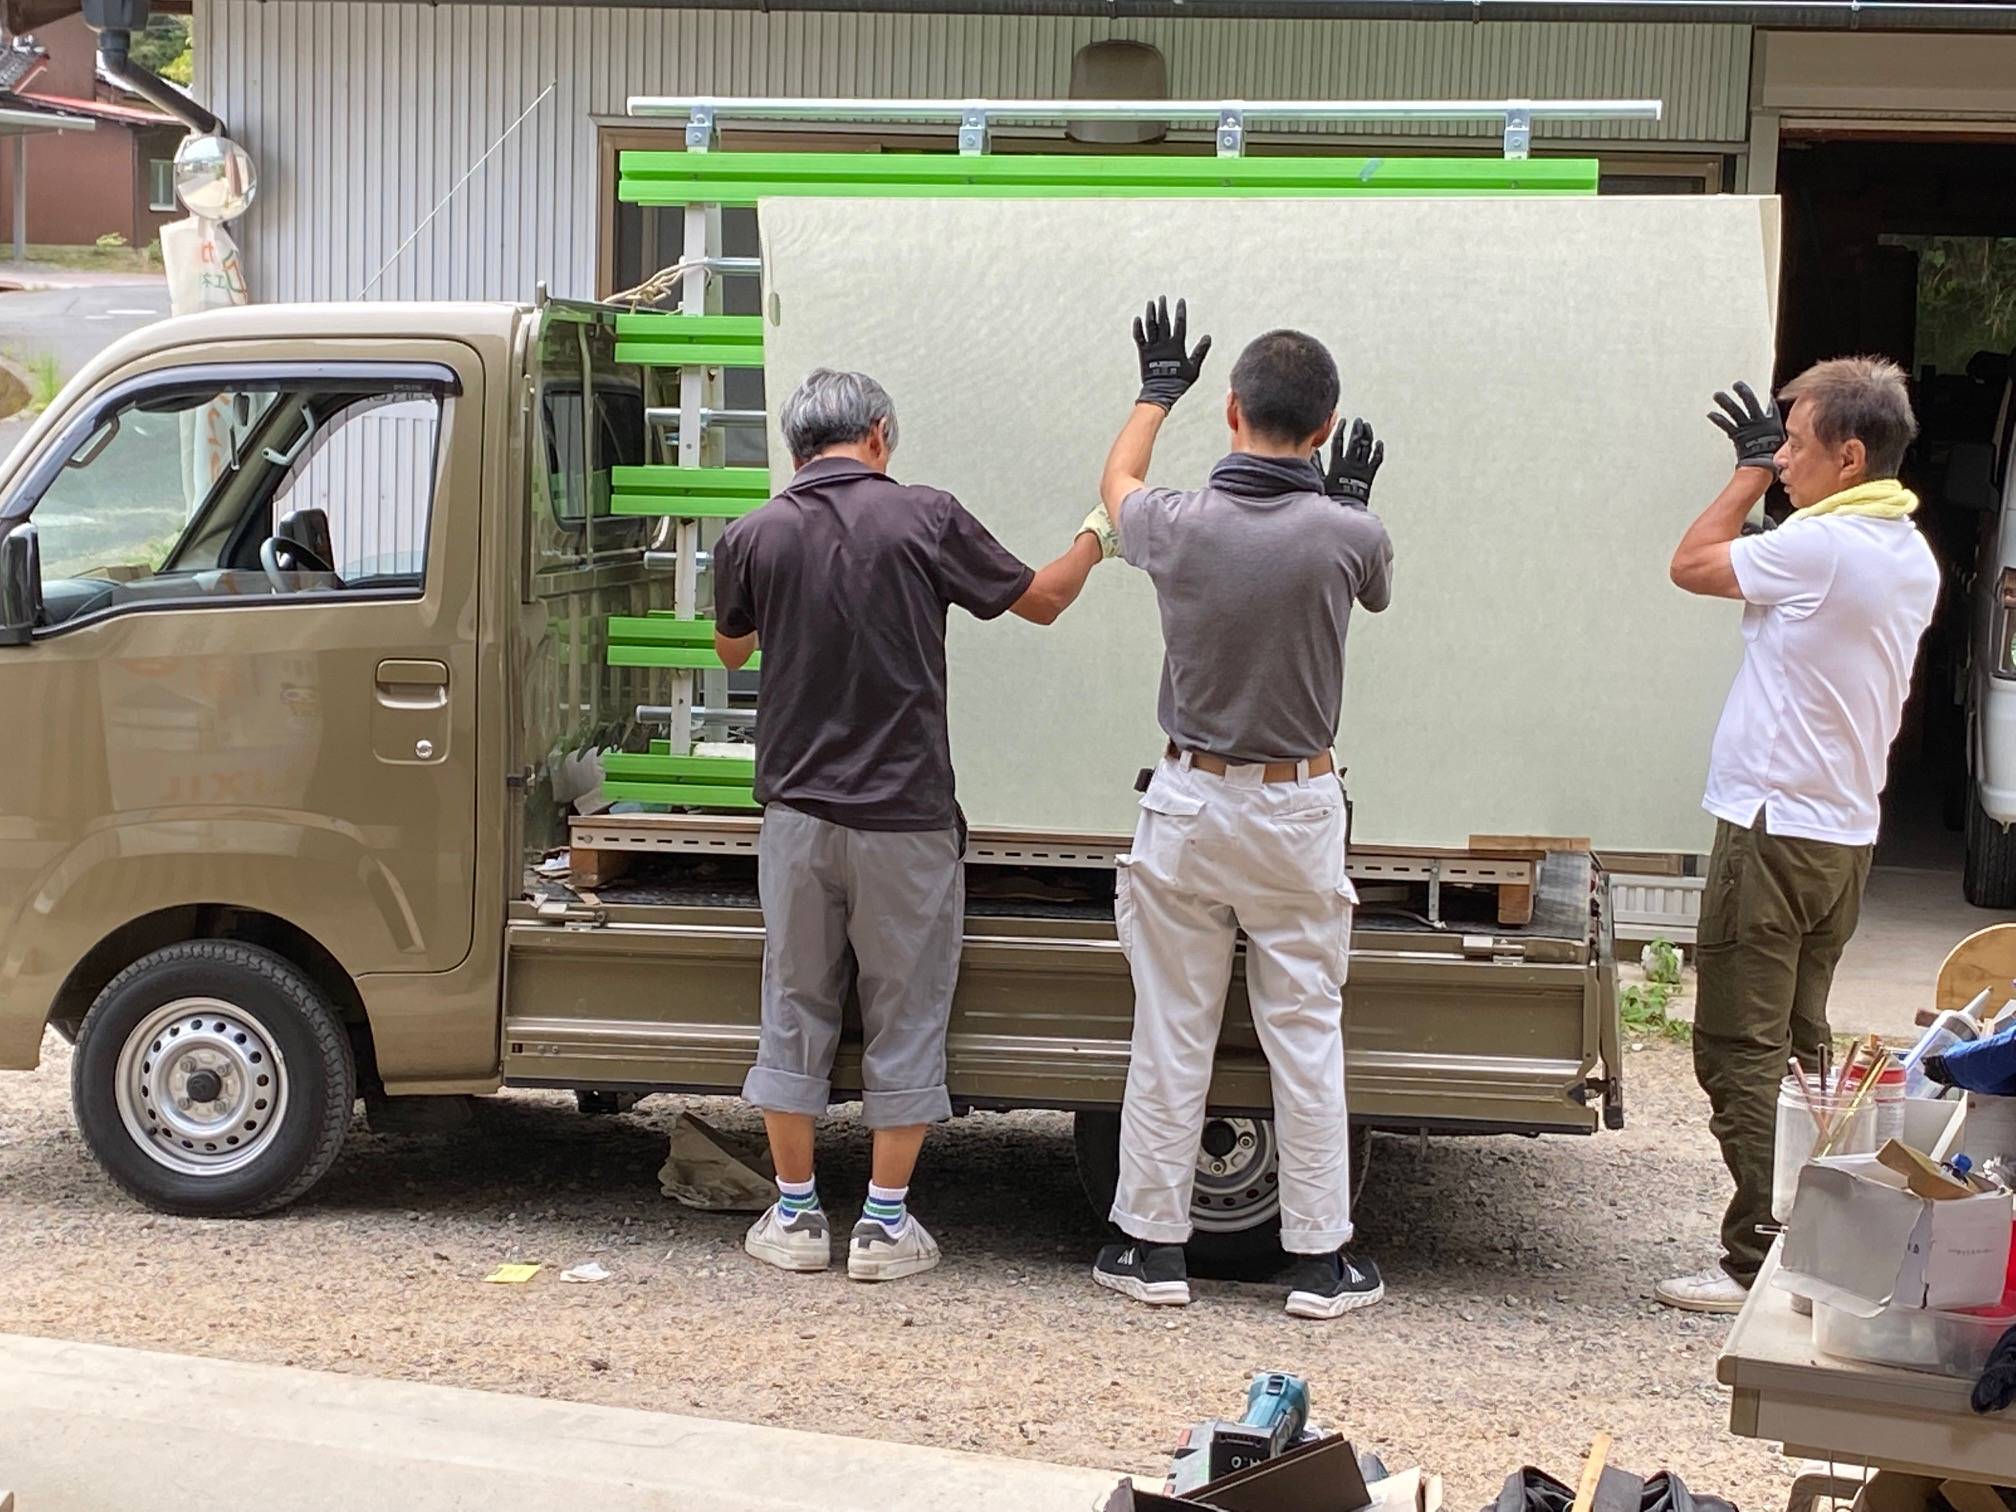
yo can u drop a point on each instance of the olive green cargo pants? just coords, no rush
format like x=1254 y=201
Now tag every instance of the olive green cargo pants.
x=1775 y=916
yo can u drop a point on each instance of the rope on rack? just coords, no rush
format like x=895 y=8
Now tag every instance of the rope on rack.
x=660 y=284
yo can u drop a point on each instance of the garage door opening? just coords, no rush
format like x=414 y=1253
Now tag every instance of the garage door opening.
x=1907 y=249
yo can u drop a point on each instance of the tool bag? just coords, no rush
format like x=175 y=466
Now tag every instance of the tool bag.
x=1532 y=1490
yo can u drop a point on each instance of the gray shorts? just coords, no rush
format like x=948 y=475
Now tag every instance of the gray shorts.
x=884 y=909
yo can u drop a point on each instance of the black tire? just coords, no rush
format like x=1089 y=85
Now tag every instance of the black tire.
x=263 y=1019
x=1990 y=877
x=1221 y=1244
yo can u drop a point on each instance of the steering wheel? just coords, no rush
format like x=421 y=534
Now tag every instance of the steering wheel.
x=299 y=559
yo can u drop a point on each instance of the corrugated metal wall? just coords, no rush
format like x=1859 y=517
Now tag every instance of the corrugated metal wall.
x=362 y=116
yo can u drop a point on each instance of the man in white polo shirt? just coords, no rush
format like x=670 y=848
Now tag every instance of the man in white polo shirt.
x=1835 y=601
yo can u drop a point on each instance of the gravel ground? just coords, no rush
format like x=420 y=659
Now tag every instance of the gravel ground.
x=1519 y=1319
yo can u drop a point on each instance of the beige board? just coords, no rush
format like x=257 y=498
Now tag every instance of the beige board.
x=1540 y=370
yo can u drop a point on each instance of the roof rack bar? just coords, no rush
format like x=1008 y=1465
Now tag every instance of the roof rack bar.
x=1230 y=119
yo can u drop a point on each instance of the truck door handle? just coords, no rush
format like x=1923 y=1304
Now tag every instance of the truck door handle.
x=412 y=684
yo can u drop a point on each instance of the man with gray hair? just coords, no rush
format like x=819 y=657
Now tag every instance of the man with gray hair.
x=844 y=579
x=1835 y=602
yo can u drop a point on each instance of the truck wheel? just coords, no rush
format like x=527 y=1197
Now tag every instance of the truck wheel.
x=212 y=1080
x=1990 y=878
x=1235 y=1206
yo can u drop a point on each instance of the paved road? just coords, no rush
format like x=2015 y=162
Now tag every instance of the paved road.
x=92 y=1427
x=77 y=323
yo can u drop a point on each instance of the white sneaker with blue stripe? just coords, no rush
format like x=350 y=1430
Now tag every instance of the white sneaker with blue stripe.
x=792 y=1242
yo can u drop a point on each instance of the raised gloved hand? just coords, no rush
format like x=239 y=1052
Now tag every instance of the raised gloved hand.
x=1100 y=525
x=1755 y=428
x=1354 y=463
x=1167 y=370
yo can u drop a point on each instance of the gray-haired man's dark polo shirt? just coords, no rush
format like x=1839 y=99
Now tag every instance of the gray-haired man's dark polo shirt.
x=845 y=577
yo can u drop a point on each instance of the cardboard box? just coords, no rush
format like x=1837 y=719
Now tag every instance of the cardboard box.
x=1860 y=1242
x=1317 y=1477
x=1894 y=1491
x=1972 y=1496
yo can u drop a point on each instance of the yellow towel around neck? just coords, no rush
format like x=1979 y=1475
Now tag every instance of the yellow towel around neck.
x=1885 y=499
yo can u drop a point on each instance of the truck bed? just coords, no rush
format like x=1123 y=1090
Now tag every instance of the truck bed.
x=1560 y=898
x=650 y=982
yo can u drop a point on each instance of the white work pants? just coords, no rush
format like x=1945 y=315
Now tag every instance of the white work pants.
x=1213 y=856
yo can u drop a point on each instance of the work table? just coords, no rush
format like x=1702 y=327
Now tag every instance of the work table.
x=1842 y=1411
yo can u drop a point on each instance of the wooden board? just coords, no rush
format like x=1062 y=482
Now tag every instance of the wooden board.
x=1985 y=960
x=1520 y=845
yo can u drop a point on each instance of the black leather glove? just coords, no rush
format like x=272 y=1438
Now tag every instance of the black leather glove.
x=1354 y=463
x=1755 y=428
x=1167 y=371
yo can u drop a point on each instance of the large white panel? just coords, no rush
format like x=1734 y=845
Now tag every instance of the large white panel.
x=1540 y=371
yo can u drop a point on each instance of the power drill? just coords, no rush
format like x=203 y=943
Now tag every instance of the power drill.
x=1277 y=1418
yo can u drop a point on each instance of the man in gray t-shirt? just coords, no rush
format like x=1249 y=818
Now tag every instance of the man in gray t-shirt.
x=1242 y=826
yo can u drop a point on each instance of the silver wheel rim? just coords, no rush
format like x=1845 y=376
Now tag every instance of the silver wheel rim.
x=1238 y=1182
x=201 y=1086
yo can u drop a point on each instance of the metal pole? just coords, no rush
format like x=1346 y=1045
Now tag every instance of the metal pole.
x=21 y=198
x=695 y=245
x=976 y=118
x=715 y=110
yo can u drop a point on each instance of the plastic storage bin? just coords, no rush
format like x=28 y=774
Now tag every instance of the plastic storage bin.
x=1915 y=1338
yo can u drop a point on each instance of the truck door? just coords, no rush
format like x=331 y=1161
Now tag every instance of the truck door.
x=258 y=655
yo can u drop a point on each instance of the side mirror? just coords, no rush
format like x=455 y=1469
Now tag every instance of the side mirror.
x=1970 y=478
x=20 y=585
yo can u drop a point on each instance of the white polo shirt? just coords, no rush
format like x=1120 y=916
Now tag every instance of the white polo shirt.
x=1834 y=609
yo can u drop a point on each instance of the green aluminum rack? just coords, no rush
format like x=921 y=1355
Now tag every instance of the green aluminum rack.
x=680 y=781
x=743 y=178
x=665 y=640
x=696 y=342
x=688 y=493
x=661 y=339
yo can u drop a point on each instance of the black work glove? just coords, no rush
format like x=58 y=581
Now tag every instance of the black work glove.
x=1167 y=371
x=1755 y=428
x=1354 y=463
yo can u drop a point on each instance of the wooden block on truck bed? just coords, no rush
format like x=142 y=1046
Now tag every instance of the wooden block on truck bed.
x=589 y=867
x=1515 y=903
x=1528 y=845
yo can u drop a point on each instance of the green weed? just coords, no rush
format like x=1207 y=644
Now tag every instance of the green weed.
x=1643 y=1005
x=45 y=382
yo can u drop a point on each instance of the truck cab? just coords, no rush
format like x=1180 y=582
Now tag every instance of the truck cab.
x=304 y=610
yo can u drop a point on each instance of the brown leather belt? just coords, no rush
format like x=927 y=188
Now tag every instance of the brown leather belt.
x=1320 y=765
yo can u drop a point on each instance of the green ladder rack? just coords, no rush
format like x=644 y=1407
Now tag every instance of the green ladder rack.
x=665 y=640
x=742 y=178
x=688 y=493
x=697 y=341
x=658 y=339
x=681 y=781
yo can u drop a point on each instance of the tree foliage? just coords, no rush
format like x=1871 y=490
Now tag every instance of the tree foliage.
x=164 y=48
x=1966 y=297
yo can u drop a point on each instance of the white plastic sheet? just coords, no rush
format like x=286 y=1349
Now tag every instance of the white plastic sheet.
x=1540 y=371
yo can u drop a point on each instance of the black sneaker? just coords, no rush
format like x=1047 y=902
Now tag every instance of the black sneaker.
x=1329 y=1286
x=1151 y=1273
